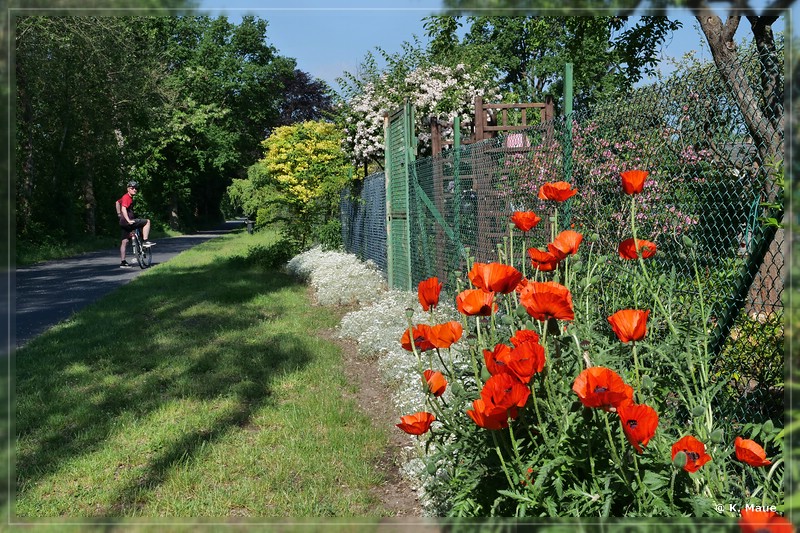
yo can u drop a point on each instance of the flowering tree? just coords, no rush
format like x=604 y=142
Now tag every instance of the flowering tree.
x=434 y=90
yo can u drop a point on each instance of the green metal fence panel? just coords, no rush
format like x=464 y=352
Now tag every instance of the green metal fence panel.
x=397 y=204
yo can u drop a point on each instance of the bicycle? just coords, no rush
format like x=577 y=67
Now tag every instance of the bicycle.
x=142 y=253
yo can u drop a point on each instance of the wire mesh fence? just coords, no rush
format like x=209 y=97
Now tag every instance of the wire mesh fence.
x=710 y=179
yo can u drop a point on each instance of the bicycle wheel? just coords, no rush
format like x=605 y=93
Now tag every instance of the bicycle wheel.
x=147 y=256
x=138 y=250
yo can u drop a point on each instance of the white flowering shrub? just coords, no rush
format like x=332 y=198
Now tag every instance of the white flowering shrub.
x=434 y=90
x=338 y=278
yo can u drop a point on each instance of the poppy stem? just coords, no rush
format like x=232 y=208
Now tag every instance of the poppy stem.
x=614 y=452
x=502 y=461
x=636 y=366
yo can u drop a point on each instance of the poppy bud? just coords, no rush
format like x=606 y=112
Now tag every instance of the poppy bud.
x=521 y=311
x=716 y=436
x=485 y=374
x=680 y=459
x=577 y=266
x=506 y=320
x=594 y=237
x=431 y=468
x=647 y=382
x=698 y=410
x=689 y=243
x=768 y=426
x=594 y=279
x=529 y=324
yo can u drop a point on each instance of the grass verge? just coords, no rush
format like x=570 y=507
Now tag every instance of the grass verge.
x=200 y=389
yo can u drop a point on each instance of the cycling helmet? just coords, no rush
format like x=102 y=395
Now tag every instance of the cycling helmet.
x=133 y=184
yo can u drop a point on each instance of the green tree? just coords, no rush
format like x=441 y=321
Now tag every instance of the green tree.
x=610 y=54
x=297 y=183
x=222 y=96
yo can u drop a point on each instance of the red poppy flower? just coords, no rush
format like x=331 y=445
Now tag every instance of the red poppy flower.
x=547 y=300
x=524 y=335
x=525 y=220
x=601 y=387
x=483 y=418
x=695 y=451
x=521 y=285
x=495 y=277
x=629 y=324
x=475 y=302
x=525 y=360
x=565 y=243
x=435 y=381
x=444 y=335
x=627 y=250
x=422 y=335
x=750 y=452
x=633 y=181
x=639 y=423
x=757 y=521
x=558 y=191
x=503 y=392
x=495 y=359
x=543 y=261
x=428 y=292
x=416 y=424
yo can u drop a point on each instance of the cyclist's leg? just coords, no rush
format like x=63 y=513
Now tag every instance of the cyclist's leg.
x=125 y=236
x=146 y=230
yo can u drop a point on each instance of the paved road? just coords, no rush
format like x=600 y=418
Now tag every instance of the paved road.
x=48 y=293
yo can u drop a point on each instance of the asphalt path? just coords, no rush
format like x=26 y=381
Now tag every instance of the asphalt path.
x=48 y=293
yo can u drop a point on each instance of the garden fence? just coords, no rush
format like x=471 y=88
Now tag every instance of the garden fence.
x=710 y=179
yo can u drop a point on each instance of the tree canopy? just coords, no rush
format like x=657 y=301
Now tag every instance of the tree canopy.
x=179 y=103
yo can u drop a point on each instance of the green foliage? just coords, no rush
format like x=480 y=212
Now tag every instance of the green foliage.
x=180 y=104
x=297 y=183
x=609 y=54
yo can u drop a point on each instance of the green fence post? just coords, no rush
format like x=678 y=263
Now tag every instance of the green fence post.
x=567 y=211
x=456 y=180
x=387 y=154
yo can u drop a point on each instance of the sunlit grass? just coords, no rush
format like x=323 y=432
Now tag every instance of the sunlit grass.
x=201 y=389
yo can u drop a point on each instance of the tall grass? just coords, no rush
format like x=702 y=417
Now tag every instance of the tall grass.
x=201 y=389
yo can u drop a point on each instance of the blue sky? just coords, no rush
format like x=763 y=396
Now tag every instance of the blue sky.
x=329 y=37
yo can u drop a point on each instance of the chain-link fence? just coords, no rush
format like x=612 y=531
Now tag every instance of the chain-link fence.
x=712 y=174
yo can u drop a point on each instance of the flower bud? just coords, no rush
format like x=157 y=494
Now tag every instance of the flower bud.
x=431 y=468
x=506 y=320
x=485 y=374
x=768 y=426
x=577 y=266
x=647 y=382
x=689 y=243
x=521 y=311
x=698 y=410
x=680 y=459
x=716 y=436
x=594 y=237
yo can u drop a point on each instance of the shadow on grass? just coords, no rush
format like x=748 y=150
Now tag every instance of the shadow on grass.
x=181 y=333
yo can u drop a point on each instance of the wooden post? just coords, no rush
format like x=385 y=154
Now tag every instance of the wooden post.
x=480 y=118
x=436 y=137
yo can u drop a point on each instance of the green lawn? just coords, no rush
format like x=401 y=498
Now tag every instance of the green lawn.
x=200 y=389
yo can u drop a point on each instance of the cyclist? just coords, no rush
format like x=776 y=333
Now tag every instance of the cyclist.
x=128 y=222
